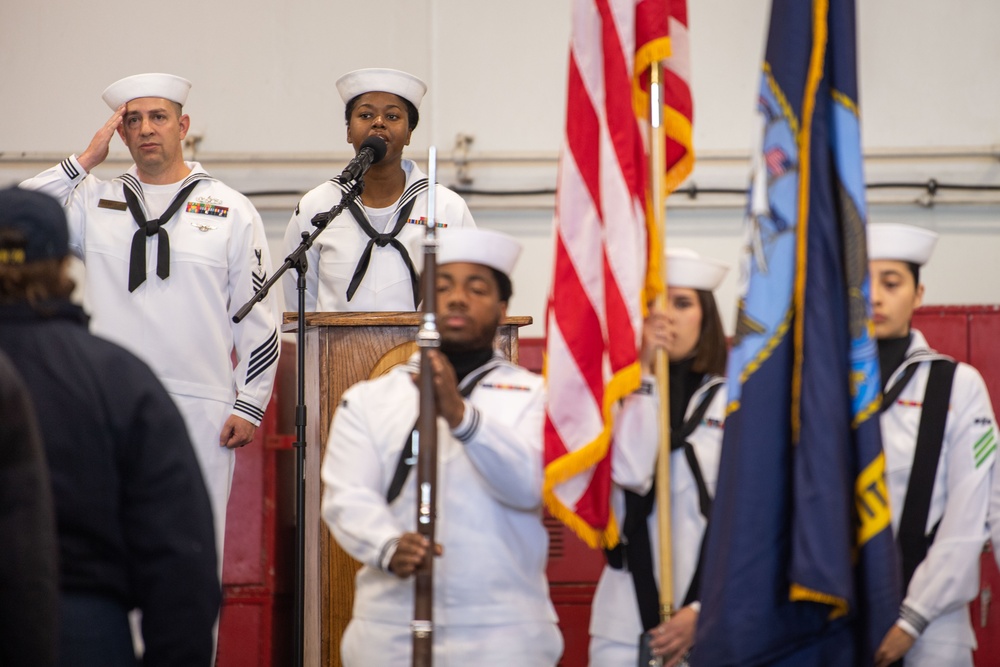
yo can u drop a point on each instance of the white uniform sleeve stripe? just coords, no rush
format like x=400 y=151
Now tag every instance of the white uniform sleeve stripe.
x=467 y=433
x=252 y=410
x=269 y=361
x=264 y=347
x=259 y=366
x=71 y=171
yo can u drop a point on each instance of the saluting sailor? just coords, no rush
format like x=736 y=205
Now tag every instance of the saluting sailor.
x=361 y=262
x=939 y=437
x=491 y=601
x=626 y=603
x=171 y=255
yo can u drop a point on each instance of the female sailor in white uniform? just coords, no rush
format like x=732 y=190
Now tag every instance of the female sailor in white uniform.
x=938 y=434
x=626 y=601
x=361 y=262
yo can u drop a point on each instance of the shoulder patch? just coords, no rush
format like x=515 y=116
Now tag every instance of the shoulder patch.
x=985 y=447
x=645 y=388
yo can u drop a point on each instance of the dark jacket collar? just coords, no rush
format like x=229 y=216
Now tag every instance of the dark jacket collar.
x=56 y=309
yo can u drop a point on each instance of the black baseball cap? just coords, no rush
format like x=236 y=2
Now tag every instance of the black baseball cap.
x=32 y=227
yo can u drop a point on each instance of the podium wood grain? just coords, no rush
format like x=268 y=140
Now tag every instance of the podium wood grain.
x=340 y=350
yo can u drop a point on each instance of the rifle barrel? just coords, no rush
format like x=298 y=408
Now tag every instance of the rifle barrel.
x=428 y=338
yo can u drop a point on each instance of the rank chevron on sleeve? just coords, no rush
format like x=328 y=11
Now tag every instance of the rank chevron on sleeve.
x=985 y=446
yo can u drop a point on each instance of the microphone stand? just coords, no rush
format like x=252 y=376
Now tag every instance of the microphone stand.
x=299 y=261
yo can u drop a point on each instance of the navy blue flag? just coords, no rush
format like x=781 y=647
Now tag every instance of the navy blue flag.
x=800 y=564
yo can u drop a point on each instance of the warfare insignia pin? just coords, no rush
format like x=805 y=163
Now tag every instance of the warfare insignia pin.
x=201 y=227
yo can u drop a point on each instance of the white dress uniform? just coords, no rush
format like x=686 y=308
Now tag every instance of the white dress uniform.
x=334 y=256
x=491 y=603
x=948 y=578
x=181 y=326
x=615 y=624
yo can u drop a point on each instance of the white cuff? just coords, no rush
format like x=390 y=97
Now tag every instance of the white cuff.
x=72 y=168
x=907 y=628
x=386 y=554
x=911 y=621
x=467 y=428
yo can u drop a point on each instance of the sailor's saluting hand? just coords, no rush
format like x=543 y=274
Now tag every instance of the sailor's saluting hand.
x=97 y=151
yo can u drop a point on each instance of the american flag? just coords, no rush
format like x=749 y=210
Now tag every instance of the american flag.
x=777 y=161
x=606 y=254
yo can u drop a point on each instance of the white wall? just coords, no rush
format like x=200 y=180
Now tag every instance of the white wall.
x=269 y=118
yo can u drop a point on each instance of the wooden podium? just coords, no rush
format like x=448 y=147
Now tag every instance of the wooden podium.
x=340 y=350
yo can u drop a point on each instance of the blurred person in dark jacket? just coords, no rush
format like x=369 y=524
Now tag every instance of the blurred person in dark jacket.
x=28 y=580
x=133 y=518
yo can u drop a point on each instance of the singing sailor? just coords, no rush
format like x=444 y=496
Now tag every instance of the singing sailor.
x=362 y=262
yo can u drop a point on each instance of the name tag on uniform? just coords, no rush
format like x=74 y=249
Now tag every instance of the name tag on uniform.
x=112 y=204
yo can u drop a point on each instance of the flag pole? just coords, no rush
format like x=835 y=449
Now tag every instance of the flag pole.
x=657 y=168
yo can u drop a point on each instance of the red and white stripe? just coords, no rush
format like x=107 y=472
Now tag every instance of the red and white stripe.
x=678 y=106
x=595 y=313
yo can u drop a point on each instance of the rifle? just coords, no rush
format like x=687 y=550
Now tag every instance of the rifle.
x=428 y=338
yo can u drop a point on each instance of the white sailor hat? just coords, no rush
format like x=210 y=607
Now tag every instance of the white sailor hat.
x=373 y=79
x=904 y=243
x=478 y=246
x=686 y=268
x=167 y=86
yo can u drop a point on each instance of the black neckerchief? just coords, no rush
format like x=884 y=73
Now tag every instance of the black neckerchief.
x=54 y=309
x=132 y=191
x=634 y=552
x=891 y=353
x=466 y=361
x=402 y=214
x=684 y=382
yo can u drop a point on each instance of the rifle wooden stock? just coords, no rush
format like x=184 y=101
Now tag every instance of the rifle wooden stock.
x=428 y=338
x=423 y=599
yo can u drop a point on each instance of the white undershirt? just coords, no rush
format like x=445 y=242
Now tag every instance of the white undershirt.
x=158 y=197
x=380 y=217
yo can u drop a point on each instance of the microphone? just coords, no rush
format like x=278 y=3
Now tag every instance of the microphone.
x=372 y=150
